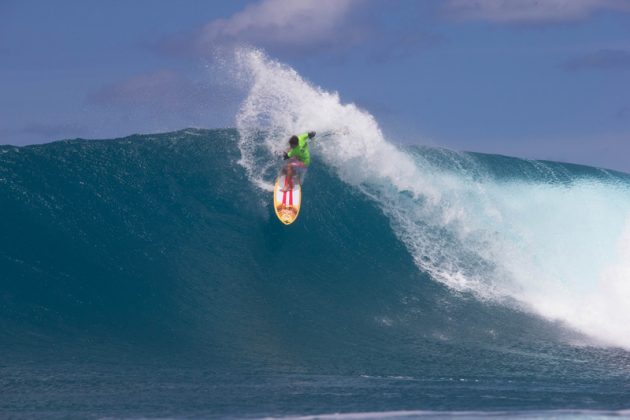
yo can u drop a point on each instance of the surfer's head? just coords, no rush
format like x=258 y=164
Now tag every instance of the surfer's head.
x=293 y=141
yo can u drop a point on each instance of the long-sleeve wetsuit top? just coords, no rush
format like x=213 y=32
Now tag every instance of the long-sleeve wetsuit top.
x=301 y=152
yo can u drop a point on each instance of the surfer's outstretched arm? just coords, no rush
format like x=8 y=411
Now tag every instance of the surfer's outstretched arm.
x=305 y=136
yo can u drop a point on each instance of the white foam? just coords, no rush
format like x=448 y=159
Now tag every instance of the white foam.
x=280 y=103
x=559 y=249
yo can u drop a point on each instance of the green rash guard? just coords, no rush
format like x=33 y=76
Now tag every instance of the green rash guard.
x=301 y=152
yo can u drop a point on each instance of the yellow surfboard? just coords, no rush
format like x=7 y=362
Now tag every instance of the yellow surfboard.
x=287 y=197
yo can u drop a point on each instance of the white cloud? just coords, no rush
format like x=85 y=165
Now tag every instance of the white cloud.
x=279 y=23
x=531 y=10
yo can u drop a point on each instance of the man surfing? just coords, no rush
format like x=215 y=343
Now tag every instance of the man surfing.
x=287 y=191
x=298 y=155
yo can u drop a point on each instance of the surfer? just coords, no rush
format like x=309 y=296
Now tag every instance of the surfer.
x=287 y=191
x=298 y=155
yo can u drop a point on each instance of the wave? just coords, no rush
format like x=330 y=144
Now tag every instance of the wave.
x=157 y=250
x=548 y=237
x=399 y=250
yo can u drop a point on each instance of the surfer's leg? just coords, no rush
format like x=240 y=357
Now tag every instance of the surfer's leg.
x=289 y=170
x=300 y=172
x=285 y=185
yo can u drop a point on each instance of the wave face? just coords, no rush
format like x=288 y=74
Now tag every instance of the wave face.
x=551 y=238
x=423 y=275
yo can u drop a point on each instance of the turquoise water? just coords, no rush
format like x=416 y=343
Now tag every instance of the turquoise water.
x=148 y=277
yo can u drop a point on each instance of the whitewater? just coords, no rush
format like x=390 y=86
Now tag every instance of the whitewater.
x=545 y=239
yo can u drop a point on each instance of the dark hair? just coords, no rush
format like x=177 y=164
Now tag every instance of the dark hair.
x=293 y=141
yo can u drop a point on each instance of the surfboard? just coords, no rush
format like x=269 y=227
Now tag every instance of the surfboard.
x=287 y=197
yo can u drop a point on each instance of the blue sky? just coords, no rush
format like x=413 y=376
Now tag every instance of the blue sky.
x=546 y=79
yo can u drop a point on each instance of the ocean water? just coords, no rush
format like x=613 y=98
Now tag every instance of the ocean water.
x=148 y=277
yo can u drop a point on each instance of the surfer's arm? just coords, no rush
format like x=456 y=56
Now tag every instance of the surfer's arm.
x=305 y=136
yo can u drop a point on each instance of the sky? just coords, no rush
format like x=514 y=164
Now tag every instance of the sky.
x=540 y=79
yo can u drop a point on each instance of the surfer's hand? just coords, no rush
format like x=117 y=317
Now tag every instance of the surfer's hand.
x=285 y=156
x=311 y=134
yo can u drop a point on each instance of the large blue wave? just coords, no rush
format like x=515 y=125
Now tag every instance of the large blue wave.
x=415 y=278
x=159 y=247
x=165 y=233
